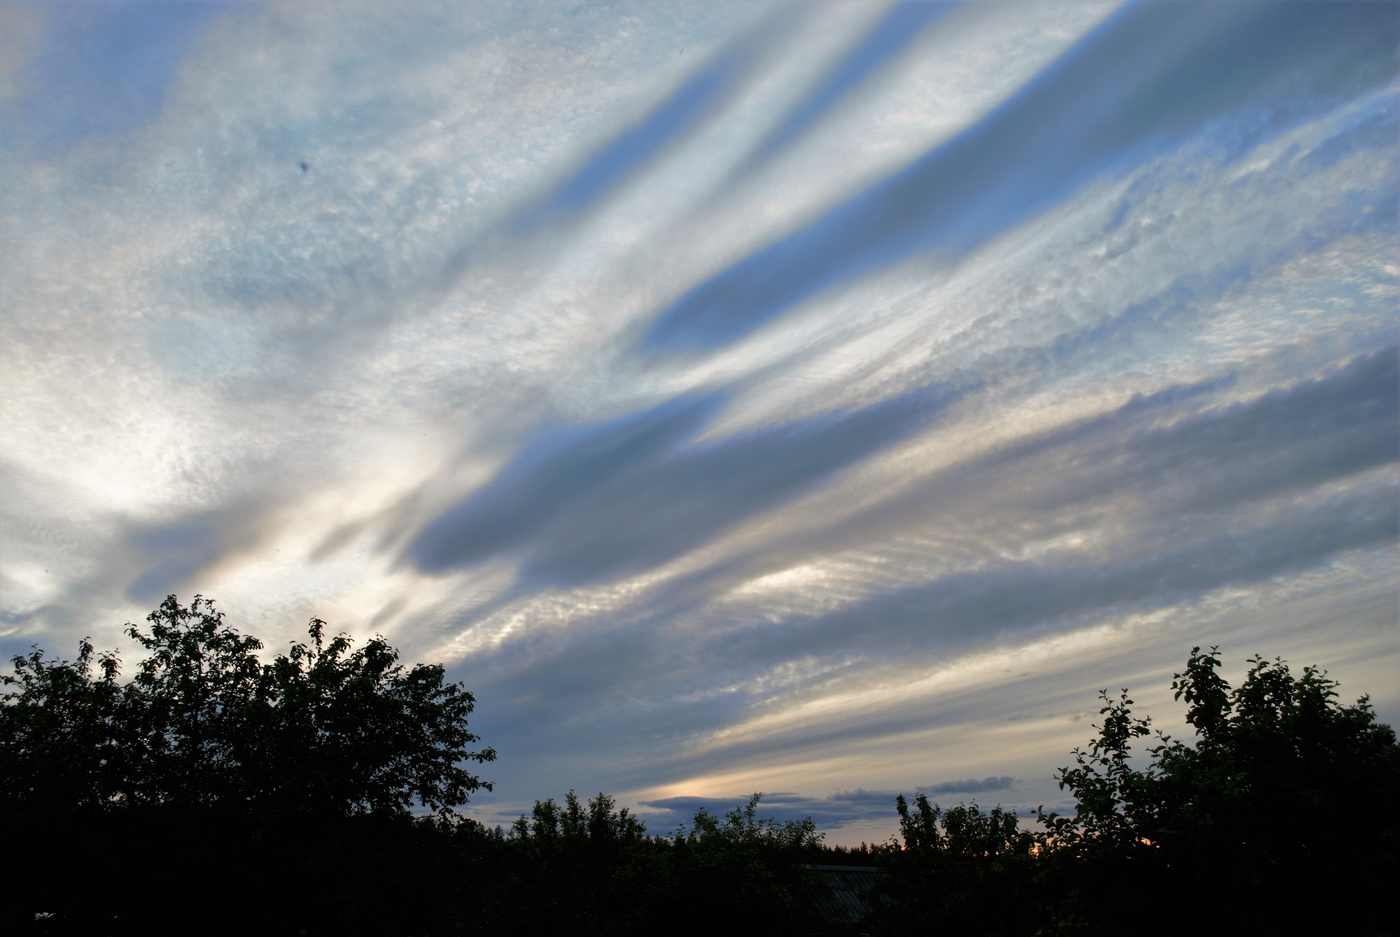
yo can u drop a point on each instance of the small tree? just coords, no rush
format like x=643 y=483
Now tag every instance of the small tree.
x=324 y=728
x=59 y=737
x=584 y=868
x=308 y=768
x=753 y=868
x=188 y=721
x=599 y=824
x=350 y=730
x=1276 y=818
x=958 y=870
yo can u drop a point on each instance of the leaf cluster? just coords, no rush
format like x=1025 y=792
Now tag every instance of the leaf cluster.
x=298 y=784
x=1263 y=805
x=203 y=723
x=948 y=868
x=755 y=863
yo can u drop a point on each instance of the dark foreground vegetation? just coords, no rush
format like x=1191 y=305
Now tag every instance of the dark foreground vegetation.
x=215 y=793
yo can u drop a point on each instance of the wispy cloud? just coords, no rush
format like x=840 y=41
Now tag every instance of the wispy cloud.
x=824 y=399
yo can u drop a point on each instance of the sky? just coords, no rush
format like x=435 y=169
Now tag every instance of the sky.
x=824 y=399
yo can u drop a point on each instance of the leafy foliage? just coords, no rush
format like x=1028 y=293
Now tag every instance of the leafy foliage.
x=591 y=868
x=324 y=728
x=295 y=784
x=959 y=870
x=187 y=719
x=598 y=823
x=1106 y=788
x=1259 y=817
x=584 y=868
x=741 y=829
x=58 y=732
x=353 y=731
x=1270 y=820
x=752 y=867
x=309 y=768
x=961 y=832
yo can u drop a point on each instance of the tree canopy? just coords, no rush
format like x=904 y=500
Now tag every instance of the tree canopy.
x=315 y=792
x=1273 y=818
x=955 y=870
x=1283 y=793
x=324 y=728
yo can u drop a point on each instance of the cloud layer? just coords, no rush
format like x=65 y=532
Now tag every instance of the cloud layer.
x=823 y=399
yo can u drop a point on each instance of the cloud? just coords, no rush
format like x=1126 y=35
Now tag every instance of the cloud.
x=887 y=39
x=180 y=552
x=822 y=399
x=100 y=68
x=615 y=499
x=1129 y=505
x=1165 y=486
x=21 y=28
x=969 y=786
x=667 y=124
x=1172 y=72
x=836 y=810
x=675 y=813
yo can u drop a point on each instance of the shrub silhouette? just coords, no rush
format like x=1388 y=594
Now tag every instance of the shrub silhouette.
x=306 y=770
x=1273 y=820
x=317 y=794
x=958 y=870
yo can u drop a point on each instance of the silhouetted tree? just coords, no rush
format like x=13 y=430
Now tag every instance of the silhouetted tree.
x=585 y=868
x=592 y=869
x=1274 y=820
x=957 y=871
x=323 y=728
x=60 y=737
x=307 y=769
x=751 y=869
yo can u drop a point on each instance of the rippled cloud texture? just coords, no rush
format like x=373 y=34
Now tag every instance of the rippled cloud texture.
x=825 y=399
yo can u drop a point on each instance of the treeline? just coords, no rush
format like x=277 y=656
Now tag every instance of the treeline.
x=215 y=793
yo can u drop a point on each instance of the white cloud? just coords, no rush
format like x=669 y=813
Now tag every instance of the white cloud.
x=230 y=373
